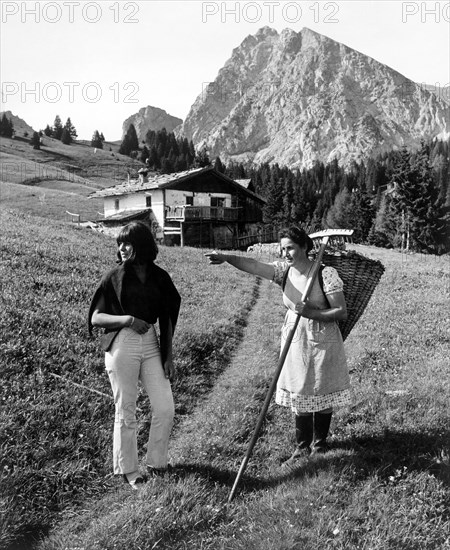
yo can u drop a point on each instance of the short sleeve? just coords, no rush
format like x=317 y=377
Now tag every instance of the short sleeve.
x=331 y=280
x=280 y=269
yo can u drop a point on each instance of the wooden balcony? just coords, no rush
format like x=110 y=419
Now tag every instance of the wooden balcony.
x=200 y=213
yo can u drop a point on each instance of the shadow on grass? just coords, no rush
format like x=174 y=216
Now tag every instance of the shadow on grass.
x=382 y=455
x=414 y=450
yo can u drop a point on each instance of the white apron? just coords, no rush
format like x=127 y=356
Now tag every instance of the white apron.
x=315 y=374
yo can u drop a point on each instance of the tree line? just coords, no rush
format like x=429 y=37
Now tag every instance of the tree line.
x=161 y=151
x=66 y=134
x=398 y=199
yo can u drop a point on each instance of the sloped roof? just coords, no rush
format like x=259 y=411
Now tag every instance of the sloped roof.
x=244 y=182
x=126 y=215
x=169 y=181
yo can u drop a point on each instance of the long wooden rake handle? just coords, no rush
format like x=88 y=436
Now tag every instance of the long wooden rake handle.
x=281 y=360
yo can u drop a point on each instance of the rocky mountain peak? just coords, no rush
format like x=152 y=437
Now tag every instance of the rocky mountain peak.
x=150 y=118
x=294 y=98
x=265 y=32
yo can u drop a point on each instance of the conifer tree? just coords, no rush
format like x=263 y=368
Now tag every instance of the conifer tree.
x=191 y=152
x=125 y=148
x=130 y=141
x=35 y=141
x=57 y=128
x=372 y=176
x=161 y=149
x=361 y=216
x=172 y=144
x=440 y=161
x=167 y=166
x=181 y=163
x=273 y=209
x=361 y=180
x=264 y=171
x=416 y=201
x=219 y=166
x=96 y=140
x=66 y=137
x=6 y=127
x=300 y=207
x=71 y=129
x=184 y=146
x=340 y=213
x=163 y=140
x=3 y=125
x=48 y=131
x=288 y=200
x=256 y=179
x=150 y=138
x=384 y=231
x=201 y=159
x=318 y=214
x=153 y=159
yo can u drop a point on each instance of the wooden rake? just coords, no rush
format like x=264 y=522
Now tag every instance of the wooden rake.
x=336 y=234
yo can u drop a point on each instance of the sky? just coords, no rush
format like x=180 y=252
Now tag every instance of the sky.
x=100 y=62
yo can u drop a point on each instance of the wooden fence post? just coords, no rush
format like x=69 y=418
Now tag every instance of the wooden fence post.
x=77 y=216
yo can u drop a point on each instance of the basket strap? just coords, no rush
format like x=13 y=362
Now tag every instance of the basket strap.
x=319 y=276
x=285 y=276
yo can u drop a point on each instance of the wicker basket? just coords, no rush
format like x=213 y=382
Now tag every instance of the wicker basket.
x=360 y=276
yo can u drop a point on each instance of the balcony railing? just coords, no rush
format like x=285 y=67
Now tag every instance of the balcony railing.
x=187 y=213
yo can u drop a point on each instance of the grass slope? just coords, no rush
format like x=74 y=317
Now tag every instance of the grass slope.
x=52 y=200
x=59 y=177
x=385 y=484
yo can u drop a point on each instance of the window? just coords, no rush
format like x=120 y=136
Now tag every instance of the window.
x=217 y=201
x=148 y=201
x=116 y=204
x=190 y=201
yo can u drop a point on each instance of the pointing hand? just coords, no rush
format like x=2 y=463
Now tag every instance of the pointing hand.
x=215 y=258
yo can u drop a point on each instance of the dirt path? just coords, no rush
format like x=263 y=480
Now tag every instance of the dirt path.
x=232 y=404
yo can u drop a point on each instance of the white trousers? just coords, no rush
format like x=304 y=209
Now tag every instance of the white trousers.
x=135 y=357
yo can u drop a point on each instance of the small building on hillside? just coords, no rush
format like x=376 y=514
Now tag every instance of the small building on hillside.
x=198 y=207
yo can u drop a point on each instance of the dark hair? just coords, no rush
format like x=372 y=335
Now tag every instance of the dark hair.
x=298 y=236
x=139 y=235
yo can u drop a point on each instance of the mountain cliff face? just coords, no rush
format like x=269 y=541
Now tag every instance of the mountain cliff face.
x=294 y=98
x=150 y=118
x=442 y=92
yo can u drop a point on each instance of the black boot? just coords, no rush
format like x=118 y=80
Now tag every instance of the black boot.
x=303 y=437
x=321 y=427
x=304 y=431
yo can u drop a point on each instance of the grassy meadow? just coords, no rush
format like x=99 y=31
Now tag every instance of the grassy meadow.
x=56 y=437
x=59 y=177
x=384 y=484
